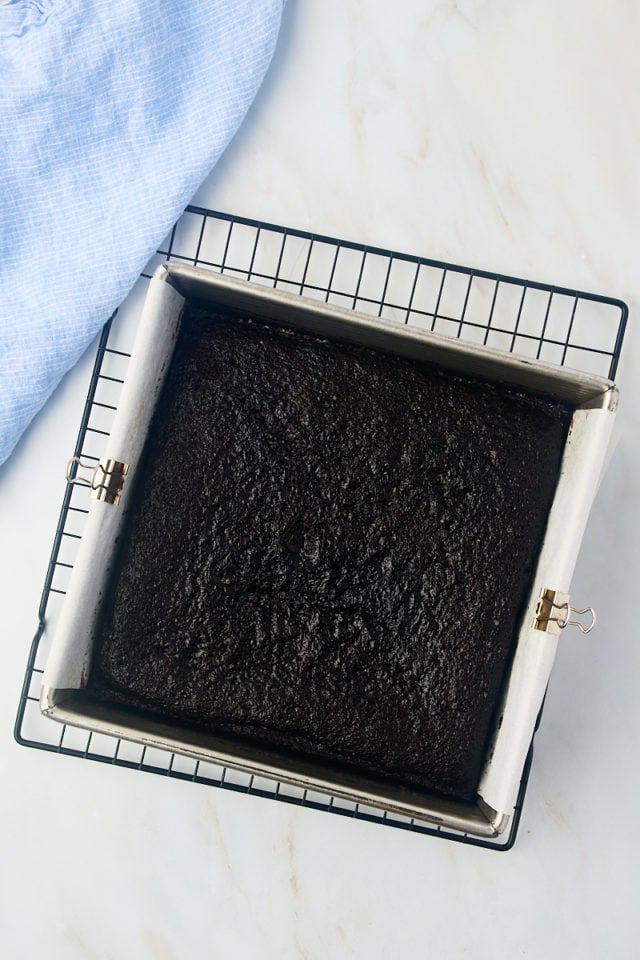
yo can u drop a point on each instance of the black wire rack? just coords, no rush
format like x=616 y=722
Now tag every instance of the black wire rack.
x=563 y=326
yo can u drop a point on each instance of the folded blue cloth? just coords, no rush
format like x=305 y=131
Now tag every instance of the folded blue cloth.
x=111 y=115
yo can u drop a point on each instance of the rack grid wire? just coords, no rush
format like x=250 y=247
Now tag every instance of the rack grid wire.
x=560 y=325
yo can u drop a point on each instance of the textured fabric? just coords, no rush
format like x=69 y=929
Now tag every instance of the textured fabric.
x=111 y=115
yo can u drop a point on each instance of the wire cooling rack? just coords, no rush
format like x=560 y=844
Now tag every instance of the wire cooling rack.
x=567 y=327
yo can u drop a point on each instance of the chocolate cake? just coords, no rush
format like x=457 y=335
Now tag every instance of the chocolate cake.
x=328 y=551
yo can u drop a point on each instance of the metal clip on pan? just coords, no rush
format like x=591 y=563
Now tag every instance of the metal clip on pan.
x=554 y=613
x=105 y=480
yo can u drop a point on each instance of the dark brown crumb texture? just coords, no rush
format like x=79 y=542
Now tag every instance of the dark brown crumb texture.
x=329 y=551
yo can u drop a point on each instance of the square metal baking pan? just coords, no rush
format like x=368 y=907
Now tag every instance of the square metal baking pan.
x=63 y=696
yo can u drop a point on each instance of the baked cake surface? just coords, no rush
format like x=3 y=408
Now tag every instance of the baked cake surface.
x=329 y=551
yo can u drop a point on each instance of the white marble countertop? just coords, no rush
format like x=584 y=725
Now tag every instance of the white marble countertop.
x=500 y=135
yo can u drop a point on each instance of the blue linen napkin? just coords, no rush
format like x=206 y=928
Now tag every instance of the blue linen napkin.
x=111 y=115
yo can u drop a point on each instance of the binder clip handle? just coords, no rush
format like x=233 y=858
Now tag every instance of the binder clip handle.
x=77 y=477
x=567 y=622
